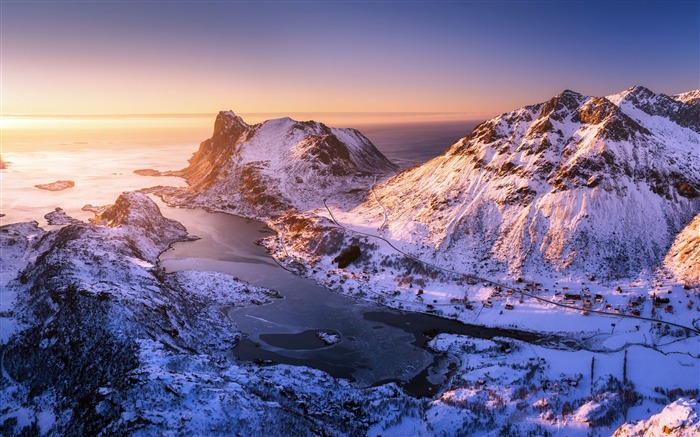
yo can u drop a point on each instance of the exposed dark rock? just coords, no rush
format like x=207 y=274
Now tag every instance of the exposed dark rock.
x=348 y=256
x=329 y=151
x=59 y=217
x=559 y=107
x=594 y=180
x=687 y=190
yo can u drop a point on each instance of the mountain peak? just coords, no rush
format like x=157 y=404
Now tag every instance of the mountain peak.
x=278 y=165
x=636 y=94
x=227 y=119
x=569 y=93
x=640 y=90
x=562 y=105
x=681 y=110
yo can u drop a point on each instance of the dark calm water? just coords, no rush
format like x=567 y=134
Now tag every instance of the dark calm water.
x=409 y=144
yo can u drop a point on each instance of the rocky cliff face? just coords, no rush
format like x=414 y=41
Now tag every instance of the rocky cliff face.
x=580 y=184
x=683 y=260
x=277 y=166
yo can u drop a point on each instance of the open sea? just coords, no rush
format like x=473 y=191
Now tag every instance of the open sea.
x=100 y=154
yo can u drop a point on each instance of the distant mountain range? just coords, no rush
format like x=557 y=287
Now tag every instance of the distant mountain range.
x=577 y=184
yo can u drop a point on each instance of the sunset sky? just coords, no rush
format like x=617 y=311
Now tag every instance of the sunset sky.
x=474 y=57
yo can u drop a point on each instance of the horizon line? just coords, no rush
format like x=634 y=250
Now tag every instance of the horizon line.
x=209 y=114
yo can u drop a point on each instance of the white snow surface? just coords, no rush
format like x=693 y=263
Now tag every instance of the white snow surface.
x=692 y=97
x=679 y=419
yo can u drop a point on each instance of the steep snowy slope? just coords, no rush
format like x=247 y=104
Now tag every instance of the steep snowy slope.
x=683 y=260
x=268 y=168
x=583 y=184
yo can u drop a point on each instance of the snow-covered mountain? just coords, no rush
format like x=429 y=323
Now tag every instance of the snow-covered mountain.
x=692 y=97
x=590 y=185
x=268 y=168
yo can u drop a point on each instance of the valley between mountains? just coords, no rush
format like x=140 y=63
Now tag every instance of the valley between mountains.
x=576 y=220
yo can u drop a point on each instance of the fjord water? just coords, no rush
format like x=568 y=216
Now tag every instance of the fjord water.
x=368 y=350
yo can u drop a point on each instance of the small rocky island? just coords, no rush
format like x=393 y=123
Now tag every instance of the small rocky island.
x=56 y=186
x=329 y=338
x=147 y=172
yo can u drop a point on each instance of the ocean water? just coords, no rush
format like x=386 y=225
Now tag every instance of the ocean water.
x=409 y=144
x=100 y=154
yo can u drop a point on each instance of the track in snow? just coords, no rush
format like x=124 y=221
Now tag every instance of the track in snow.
x=503 y=286
x=386 y=217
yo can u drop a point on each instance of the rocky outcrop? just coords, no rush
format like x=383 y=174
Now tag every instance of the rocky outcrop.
x=690 y=97
x=683 y=259
x=678 y=419
x=59 y=217
x=147 y=172
x=56 y=186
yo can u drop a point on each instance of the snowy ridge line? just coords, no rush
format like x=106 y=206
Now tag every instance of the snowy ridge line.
x=517 y=290
x=386 y=217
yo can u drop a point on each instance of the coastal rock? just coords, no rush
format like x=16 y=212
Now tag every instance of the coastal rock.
x=56 y=186
x=329 y=338
x=59 y=217
x=147 y=172
x=678 y=419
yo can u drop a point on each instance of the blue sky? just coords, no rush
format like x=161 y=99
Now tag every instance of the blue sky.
x=458 y=56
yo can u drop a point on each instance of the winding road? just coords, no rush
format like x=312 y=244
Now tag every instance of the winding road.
x=494 y=283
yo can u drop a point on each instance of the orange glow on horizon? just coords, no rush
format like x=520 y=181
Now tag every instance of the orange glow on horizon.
x=23 y=133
